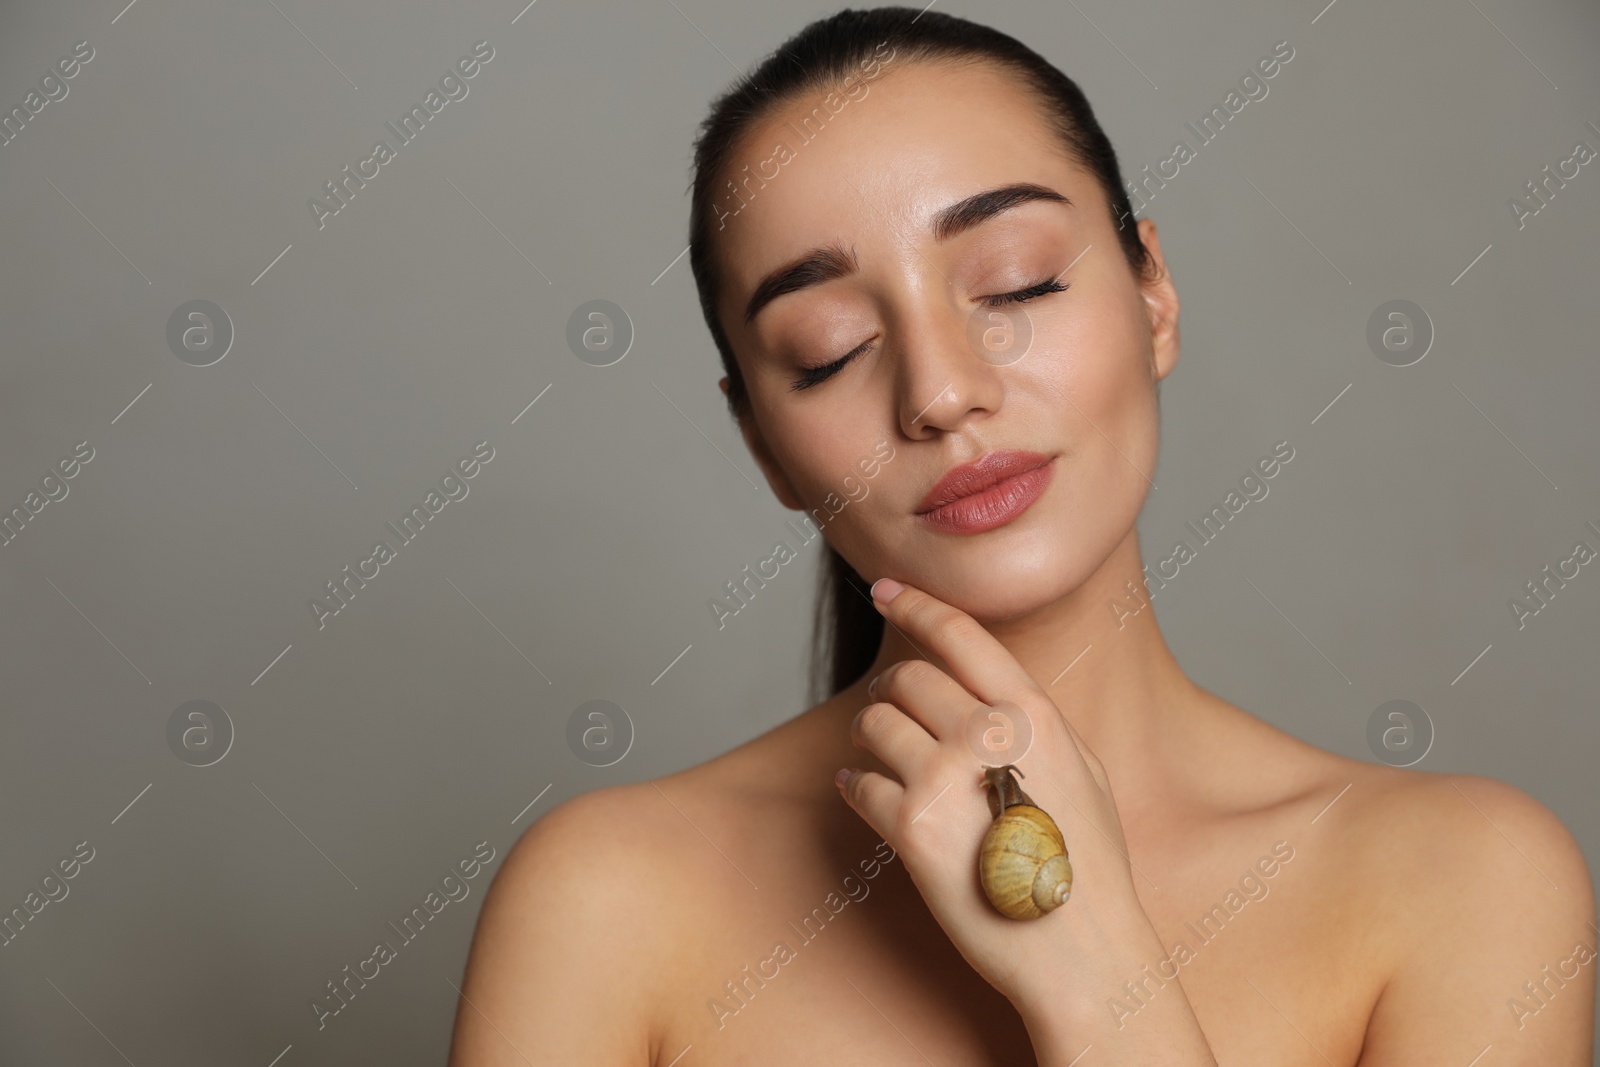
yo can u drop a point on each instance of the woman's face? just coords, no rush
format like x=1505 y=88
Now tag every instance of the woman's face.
x=945 y=370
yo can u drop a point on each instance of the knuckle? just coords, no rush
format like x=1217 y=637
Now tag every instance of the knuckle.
x=887 y=676
x=960 y=627
x=872 y=718
x=1097 y=770
x=930 y=612
x=907 y=828
x=924 y=613
x=869 y=792
x=913 y=672
x=1103 y=775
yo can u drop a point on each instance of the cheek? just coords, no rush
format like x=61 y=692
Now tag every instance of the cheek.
x=852 y=511
x=822 y=455
x=1100 y=400
x=1092 y=371
x=1105 y=372
x=1106 y=358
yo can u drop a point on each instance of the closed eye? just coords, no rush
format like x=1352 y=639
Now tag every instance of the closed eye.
x=1022 y=296
x=812 y=376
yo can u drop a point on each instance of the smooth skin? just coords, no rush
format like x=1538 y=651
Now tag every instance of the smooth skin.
x=642 y=924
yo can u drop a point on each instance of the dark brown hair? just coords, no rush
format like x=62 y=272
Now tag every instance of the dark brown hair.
x=847 y=630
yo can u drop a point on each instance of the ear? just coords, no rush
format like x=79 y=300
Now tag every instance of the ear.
x=777 y=480
x=1161 y=305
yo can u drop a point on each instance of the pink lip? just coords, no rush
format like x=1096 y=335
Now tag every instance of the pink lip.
x=975 y=497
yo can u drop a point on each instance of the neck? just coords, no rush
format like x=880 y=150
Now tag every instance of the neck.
x=1100 y=656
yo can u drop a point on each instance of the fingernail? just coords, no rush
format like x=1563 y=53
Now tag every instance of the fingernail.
x=872 y=686
x=842 y=777
x=885 y=590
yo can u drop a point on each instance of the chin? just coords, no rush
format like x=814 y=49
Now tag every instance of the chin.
x=1002 y=597
x=998 y=579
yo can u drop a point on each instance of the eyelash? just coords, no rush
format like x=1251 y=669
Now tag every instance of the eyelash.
x=1022 y=296
x=811 y=376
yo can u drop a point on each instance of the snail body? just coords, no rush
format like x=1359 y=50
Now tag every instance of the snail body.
x=1023 y=861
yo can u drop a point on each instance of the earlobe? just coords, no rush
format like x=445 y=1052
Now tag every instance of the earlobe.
x=1161 y=305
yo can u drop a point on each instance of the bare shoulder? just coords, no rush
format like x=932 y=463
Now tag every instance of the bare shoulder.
x=1414 y=825
x=601 y=906
x=1457 y=909
x=576 y=936
x=1442 y=833
x=1481 y=909
x=1433 y=850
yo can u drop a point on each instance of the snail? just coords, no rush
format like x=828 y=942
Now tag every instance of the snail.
x=1023 y=861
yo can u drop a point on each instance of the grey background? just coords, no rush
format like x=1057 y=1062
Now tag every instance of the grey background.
x=425 y=317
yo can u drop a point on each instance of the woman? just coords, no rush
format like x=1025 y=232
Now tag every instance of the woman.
x=913 y=249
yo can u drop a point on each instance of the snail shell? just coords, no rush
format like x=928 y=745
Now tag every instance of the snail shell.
x=1023 y=860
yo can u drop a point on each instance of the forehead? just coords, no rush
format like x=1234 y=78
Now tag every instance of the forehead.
x=872 y=171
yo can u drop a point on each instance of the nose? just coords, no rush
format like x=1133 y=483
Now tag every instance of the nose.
x=942 y=380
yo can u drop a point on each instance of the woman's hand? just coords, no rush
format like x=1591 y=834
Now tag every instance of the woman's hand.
x=1065 y=964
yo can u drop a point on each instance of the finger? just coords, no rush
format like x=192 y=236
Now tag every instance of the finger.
x=927 y=694
x=895 y=738
x=876 y=799
x=999 y=733
x=975 y=658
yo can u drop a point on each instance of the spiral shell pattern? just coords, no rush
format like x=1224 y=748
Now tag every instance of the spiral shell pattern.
x=1023 y=863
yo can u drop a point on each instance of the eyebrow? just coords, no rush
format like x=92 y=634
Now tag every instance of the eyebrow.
x=828 y=262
